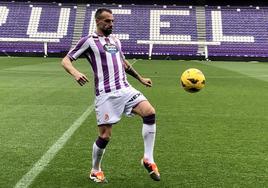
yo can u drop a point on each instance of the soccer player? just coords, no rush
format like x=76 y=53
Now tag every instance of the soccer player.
x=114 y=95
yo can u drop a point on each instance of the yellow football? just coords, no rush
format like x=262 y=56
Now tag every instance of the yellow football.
x=193 y=80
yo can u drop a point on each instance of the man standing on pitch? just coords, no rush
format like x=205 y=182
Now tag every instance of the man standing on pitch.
x=114 y=95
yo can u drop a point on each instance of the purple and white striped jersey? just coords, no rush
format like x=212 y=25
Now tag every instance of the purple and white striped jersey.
x=106 y=59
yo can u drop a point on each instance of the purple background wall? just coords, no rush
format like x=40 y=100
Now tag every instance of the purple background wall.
x=18 y=20
x=249 y=21
x=246 y=22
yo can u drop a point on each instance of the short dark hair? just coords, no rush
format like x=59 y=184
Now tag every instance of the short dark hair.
x=101 y=10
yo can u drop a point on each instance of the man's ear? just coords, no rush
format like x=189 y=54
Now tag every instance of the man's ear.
x=97 y=21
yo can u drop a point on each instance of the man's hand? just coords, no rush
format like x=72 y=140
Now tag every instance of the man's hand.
x=147 y=82
x=80 y=78
x=131 y=71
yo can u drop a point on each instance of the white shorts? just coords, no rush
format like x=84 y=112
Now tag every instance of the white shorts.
x=109 y=107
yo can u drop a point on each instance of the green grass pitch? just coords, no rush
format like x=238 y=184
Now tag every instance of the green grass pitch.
x=215 y=138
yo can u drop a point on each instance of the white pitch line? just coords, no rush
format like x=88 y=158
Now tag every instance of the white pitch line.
x=135 y=61
x=39 y=166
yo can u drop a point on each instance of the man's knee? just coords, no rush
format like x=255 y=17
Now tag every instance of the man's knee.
x=148 y=111
x=151 y=111
x=106 y=136
x=105 y=133
x=149 y=115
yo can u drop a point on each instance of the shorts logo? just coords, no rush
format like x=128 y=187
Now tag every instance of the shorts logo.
x=134 y=97
x=106 y=117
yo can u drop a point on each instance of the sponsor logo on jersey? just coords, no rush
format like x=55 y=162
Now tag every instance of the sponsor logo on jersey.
x=111 y=48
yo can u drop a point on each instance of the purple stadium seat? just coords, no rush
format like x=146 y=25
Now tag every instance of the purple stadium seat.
x=241 y=30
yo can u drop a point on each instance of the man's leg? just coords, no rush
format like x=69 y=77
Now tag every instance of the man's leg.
x=148 y=133
x=105 y=132
x=147 y=112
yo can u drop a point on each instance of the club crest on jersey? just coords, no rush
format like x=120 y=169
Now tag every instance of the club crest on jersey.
x=111 y=48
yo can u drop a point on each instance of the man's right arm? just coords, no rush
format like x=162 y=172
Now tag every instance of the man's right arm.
x=78 y=76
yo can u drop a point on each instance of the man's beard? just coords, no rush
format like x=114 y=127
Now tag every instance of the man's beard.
x=107 y=32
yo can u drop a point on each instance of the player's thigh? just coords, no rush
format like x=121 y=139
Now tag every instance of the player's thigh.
x=144 y=108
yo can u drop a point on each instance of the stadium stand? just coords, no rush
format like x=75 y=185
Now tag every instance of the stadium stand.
x=24 y=23
x=241 y=30
x=27 y=26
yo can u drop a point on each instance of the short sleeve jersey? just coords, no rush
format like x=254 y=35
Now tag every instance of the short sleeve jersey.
x=106 y=59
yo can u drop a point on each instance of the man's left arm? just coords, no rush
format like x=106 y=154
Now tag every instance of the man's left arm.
x=131 y=71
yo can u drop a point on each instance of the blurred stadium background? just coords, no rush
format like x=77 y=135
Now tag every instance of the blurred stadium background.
x=31 y=27
x=215 y=138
